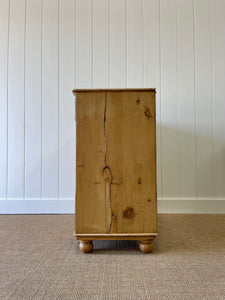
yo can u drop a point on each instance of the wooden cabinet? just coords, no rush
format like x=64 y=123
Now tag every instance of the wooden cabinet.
x=116 y=166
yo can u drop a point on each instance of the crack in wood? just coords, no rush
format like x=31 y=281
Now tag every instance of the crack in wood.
x=107 y=173
x=105 y=135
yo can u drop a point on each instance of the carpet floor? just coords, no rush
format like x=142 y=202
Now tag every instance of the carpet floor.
x=40 y=259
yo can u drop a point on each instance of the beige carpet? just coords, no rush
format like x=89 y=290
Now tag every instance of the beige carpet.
x=39 y=259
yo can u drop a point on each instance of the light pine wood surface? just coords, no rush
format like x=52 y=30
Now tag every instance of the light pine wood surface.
x=116 y=165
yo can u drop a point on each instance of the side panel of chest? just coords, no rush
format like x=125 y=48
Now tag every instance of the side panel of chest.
x=116 y=162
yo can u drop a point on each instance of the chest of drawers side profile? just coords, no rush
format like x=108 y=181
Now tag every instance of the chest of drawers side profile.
x=116 y=190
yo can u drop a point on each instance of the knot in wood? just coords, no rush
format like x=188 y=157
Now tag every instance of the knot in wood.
x=107 y=175
x=148 y=113
x=128 y=212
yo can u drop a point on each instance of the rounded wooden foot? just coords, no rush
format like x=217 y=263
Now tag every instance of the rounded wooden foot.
x=86 y=246
x=146 y=246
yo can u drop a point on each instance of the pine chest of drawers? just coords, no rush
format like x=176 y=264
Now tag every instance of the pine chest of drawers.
x=116 y=195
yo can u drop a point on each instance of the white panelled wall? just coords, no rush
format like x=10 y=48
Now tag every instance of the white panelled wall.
x=49 y=47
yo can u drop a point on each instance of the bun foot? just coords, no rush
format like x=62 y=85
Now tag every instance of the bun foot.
x=146 y=246
x=86 y=246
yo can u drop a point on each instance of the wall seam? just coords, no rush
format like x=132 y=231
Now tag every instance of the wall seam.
x=7 y=108
x=109 y=35
x=195 y=102
x=24 y=104
x=212 y=97
x=75 y=43
x=160 y=84
x=126 y=29
x=142 y=42
x=42 y=8
x=58 y=100
x=178 y=100
x=92 y=43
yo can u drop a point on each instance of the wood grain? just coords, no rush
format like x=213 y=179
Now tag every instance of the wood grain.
x=91 y=208
x=116 y=162
x=146 y=246
x=118 y=236
x=86 y=246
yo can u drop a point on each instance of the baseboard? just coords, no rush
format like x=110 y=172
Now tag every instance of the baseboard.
x=66 y=206
x=37 y=206
x=191 y=205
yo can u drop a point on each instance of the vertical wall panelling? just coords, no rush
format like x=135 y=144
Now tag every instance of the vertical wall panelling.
x=16 y=100
x=151 y=62
x=49 y=47
x=151 y=36
x=218 y=63
x=169 y=99
x=33 y=99
x=186 y=98
x=204 y=106
x=117 y=44
x=101 y=73
x=83 y=43
x=135 y=71
x=4 y=32
x=50 y=99
x=66 y=99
